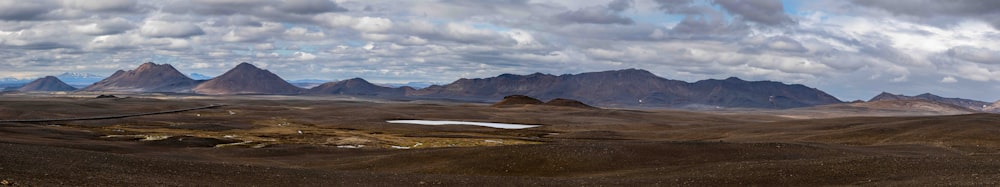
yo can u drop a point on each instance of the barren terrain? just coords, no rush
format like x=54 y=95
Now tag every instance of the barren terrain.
x=322 y=141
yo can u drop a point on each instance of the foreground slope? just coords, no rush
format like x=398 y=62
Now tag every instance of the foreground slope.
x=46 y=84
x=315 y=141
x=246 y=79
x=148 y=77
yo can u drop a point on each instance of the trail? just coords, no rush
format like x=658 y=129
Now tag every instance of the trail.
x=110 y=117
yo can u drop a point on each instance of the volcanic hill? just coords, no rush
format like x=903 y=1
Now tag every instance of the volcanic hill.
x=246 y=79
x=358 y=86
x=47 y=84
x=148 y=77
x=516 y=100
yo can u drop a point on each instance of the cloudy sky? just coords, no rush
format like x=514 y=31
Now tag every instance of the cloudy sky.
x=851 y=49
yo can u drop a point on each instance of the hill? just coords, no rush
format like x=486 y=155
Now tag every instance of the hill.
x=246 y=79
x=358 y=86
x=47 y=84
x=148 y=77
x=966 y=103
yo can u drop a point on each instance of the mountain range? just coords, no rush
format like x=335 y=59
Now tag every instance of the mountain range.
x=627 y=88
x=634 y=87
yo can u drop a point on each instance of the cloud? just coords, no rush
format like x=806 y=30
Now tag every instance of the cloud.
x=987 y=11
x=106 y=27
x=310 y=6
x=15 y=10
x=975 y=54
x=842 y=47
x=768 y=12
x=156 y=28
x=103 y=5
x=599 y=14
x=949 y=79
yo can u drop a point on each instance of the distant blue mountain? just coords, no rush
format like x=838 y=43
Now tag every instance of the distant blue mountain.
x=199 y=76
x=416 y=85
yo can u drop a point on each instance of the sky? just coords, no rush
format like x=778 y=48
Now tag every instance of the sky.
x=850 y=49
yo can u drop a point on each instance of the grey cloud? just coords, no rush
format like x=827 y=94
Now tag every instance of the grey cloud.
x=310 y=6
x=595 y=15
x=785 y=44
x=106 y=27
x=155 y=28
x=974 y=54
x=39 y=46
x=104 y=5
x=985 y=10
x=599 y=14
x=768 y=12
x=24 y=10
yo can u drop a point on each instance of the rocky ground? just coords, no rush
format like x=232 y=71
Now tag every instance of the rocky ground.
x=324 y=141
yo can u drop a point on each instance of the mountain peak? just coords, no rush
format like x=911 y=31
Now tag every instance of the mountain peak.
x=246 y=78
x=148 y=77
x=245 y=65
x=47 y=83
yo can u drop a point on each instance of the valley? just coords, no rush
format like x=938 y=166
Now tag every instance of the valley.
x=313 y=140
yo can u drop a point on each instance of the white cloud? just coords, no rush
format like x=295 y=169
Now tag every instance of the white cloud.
x=949 y=79
x=372 y=24
x=156 y=28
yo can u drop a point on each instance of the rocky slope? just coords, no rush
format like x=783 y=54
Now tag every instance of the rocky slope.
x=148 y=77
x=358 y=86
x=633 y=87
x=46 y=84
x=246 y=79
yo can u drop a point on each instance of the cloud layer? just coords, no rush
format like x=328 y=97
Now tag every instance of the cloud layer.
x=852 y=49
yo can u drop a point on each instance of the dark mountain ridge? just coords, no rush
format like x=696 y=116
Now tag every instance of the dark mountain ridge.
x=148 y=77
x=634 y=87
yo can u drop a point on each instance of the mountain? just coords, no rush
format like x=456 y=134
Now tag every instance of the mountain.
x=199 y=76
x=79 y=78
x=48 y=84
x=358 y=86
x=148 y=77
x=516 y=100
x=246 y=79
x=966 y=103
x=633 y=87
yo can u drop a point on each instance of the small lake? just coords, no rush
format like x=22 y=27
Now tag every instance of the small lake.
x=484 y=124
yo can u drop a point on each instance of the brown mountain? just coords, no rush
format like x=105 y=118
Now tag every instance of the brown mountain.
x=567 y=103
x=47 y=84
x=246 y=79
x=516 y=100
x=633 y=87
x=358 y=86
x=148 y=77
x=966 y=103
